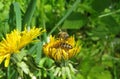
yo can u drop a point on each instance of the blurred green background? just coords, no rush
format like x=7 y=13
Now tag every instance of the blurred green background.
x=96 y=23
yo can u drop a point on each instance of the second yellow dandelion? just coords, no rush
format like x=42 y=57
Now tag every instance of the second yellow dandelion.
x=61 y=48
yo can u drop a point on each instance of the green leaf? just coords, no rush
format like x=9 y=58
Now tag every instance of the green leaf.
x=12 y=18
x=100 y=5
x=75 y=21
x=86 y=65
x=1 y=73
x=32 y=49
x=79 y=76
x=107 y=60
x=57 y=71
x=29 y=60
x=1 y=5
x=106 y=26
x=63 y=72
x=101 y=31
x=29 y=13
x=24 y=67
x=68 y=72
x=105 y=75
x=38 y=51
x=72 y=69
x=111 y=24
x=86 y=7
x=17 y=15
x=98 y=72
x=19 y=56
x=42 y=61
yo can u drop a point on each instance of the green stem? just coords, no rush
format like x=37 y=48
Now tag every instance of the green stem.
x=65 y=16
x=107 y=14
x=43 y=18
x=115 y=72
x=8 y=72
x=113 y=61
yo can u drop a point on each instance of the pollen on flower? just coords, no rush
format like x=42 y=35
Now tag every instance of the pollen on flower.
x=58 y=49
x=15 y=41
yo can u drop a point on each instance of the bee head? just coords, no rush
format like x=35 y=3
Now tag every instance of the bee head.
x=63 y=35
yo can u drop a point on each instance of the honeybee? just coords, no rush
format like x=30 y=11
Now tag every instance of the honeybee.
x=63 y=36
x=65 y=45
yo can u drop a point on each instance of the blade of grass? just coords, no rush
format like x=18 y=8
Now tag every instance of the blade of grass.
x=29 y=13
x=43 y=19
x=17 y=15
x=39 y=51
x=11 y=17
x=65 y=16
x=14 y=16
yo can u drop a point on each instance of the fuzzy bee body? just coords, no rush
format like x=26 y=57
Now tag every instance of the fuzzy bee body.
x=62 y=36
x=65 y=45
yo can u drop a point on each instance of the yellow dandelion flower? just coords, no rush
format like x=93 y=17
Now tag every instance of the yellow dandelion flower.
x=9 y=45
x=28 y=35
x=15 y=41
x=58 y=49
